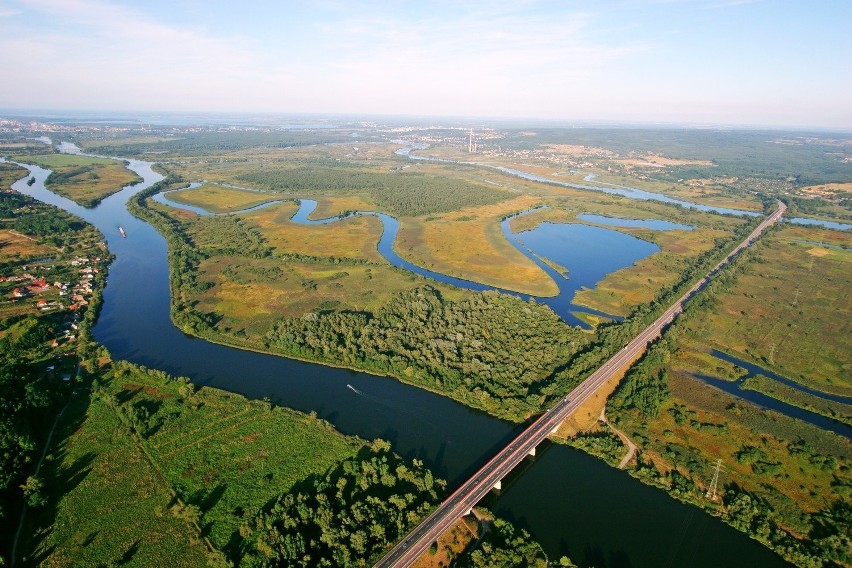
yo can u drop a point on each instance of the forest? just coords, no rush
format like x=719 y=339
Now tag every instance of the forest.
x=402 y=194
x=346 y=517
x=205 y=142
x=505 y=546
x=493 y=351
x=808 y=158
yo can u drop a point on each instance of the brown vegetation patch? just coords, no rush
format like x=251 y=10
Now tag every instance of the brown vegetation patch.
x=450 y=544
x=651 y=160
x=218 y=199
x=354 y=237
x=579 y=151
x=14 y=244
x=828 y=189
x=474 y=249
x=587 y=416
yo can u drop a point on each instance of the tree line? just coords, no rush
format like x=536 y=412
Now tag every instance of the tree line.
x=347 y=517
x=493 y=351
x=398 y=193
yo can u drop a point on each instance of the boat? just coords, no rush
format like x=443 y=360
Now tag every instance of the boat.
x=121 y=230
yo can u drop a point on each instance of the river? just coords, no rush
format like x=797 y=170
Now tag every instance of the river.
x=615 y=189
x=572 y=503
x=589 y=253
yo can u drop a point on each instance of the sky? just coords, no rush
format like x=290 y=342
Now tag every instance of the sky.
x=723 y=62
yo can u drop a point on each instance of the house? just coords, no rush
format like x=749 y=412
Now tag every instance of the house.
x=39 y=286
x=19 y=293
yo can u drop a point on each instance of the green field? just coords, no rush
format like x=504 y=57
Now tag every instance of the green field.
x=167 y=465
x=220 y=452
x=788 y=310
x=83 y=179
x=108 y=503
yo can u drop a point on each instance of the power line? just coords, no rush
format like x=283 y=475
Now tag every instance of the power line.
x=714 y=485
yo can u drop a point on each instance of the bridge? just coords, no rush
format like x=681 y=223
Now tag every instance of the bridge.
x=490 y=476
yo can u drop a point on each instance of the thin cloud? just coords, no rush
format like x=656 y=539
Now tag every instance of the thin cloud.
x=104 y=52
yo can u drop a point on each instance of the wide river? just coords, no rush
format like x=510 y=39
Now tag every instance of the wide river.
x=572 y=503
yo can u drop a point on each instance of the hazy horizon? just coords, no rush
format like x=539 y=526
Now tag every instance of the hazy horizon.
x=696 y=63
x=161 y=118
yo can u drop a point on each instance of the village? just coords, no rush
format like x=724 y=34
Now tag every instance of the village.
x=33 y=292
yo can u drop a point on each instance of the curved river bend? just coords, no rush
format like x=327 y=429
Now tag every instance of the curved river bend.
x=589 y=252
x=572 y=503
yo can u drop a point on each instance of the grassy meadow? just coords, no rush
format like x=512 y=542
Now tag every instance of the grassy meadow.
x=9 y=174
x=145 y=468
x=353 y=238
x=470 y=244
x=83 y=179
x=15 y=245
x=789 y=310
x=700 y=424
x=253 y=294
x=218 y=199
x=766 y=385
x=108 y=503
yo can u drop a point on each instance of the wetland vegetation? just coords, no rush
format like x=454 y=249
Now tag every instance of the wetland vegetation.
x=322 y=292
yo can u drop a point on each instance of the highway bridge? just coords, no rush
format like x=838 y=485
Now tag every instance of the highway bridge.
x=489 y=477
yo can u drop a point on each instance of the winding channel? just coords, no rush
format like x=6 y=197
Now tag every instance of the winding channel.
x=737 y=388
x=622 y=190
x=587 y=275
x=572 y=503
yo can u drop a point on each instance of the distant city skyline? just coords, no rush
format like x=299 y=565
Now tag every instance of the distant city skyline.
x=721 y=62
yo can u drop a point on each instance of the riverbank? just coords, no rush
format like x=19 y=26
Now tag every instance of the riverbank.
x=168 y=505
x=135 y=324
x=645 y=468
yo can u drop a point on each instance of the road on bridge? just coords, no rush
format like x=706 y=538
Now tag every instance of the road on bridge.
x=474 y=489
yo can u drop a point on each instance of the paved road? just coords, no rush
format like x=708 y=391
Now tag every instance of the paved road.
x=474 y=489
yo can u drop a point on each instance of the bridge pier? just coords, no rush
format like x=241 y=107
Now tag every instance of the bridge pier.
x=499 y=485
x=531 y=453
